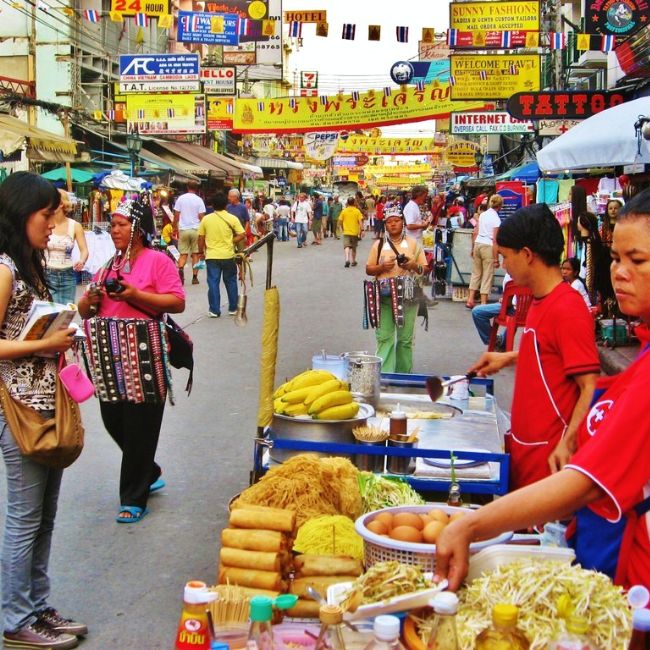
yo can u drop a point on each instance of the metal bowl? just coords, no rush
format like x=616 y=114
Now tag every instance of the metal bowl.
x=285 y=427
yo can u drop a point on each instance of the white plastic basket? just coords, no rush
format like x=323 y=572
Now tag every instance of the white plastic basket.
x=383 y=549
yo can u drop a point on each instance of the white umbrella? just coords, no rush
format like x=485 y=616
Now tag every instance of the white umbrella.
x=606 y=139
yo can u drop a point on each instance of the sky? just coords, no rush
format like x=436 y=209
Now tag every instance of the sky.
x=362 y=64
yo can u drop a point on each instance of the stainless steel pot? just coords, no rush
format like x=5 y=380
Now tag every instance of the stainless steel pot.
x=364 y=376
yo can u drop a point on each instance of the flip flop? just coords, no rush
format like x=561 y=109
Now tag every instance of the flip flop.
x=136 y=514
x=158 y=484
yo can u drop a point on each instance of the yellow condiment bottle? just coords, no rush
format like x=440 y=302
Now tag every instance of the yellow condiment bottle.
x=504 y=633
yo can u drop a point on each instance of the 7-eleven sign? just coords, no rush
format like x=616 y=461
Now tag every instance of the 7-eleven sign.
x=308 y=80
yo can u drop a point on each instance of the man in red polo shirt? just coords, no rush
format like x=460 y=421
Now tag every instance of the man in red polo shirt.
x=557 y=362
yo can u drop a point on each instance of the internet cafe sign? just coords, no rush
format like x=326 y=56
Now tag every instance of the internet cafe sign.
x=481 y=123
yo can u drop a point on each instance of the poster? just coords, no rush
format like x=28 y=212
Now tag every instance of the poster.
x=131 y=7
x=346 y=111
x=212 y=29
x=495 y=16
x=513 y=194
x=220 y=111
x=320 y=146
x=166 y=114
x=379 y=146
x=494 y=76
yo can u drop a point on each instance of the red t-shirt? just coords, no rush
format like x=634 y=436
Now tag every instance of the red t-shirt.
x=557 y=343
x=614 y=451
x=379 y=211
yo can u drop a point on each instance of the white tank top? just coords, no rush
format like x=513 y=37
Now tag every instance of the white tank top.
x=59 y=249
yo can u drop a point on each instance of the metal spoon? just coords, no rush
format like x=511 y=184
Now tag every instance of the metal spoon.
x=436 y=387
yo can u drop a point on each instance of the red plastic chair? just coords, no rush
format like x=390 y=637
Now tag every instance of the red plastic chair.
x=511 y=316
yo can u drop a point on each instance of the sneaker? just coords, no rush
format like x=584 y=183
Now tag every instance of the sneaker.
x=232 y=313
x=50 y=617
x=211 y=314
x=195 y=280
x=347 y=265
x=39 y=635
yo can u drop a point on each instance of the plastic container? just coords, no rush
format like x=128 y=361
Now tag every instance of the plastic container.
x=260 y=633
x=330 y=636
x=574 y=637
x=193 y=632
x=607 y=330
x=503 y=634
x=386 y=631
x=444 y=635
x=333 y=363
x=398 y=423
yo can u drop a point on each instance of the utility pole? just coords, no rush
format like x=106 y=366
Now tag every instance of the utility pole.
x=65 y=120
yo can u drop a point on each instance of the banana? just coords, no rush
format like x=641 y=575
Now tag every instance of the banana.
x=296 y=409
x=311 y=378
x=296 y=396
x=322 y=389
x=278 y=405
x=340 y=412
x=281 y=390
x=335 y=398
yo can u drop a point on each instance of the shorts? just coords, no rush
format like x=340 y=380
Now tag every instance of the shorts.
x=350 y=241
x=188 y=241
x=316 y=226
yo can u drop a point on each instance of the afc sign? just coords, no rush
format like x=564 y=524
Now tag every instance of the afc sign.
x=562 y=105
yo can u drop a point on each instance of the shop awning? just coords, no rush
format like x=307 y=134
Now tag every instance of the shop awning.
x=528 y=173
x=173 y=161
x=277 y=163
x=41 y=145
x=78 y=175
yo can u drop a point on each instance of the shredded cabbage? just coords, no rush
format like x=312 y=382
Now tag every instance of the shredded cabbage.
x=378 y=492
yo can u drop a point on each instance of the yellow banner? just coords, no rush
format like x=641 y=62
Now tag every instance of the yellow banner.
x=220 y=110
x=461 y=153
x=400 y=181
x=377 y=146
x=494 y=16
x=349 y=111
x=395 y=170
x=494 y=76
x=132 y=7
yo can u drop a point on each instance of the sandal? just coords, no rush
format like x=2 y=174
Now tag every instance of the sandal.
x=158 y=484
x=469 y=306
x=136 y=514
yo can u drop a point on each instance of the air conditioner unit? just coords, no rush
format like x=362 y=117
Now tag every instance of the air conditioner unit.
x=593 y=59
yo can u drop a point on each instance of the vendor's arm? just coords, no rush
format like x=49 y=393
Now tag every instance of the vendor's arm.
x=490 y=363
x=552 y=498
x=80 y=238
x=567 y=445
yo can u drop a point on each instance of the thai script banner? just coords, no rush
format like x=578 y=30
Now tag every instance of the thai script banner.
x=166 y=114
x=496 y=16
x=395 y=170
x=346 y=111
x=377 y=146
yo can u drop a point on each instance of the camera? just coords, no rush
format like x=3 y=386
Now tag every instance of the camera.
x=401 y=259
x=113 y=285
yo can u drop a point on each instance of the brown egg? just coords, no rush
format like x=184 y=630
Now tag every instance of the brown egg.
x=431 y=531
x=457 y=515
x=386 y=518
x=406 y=534
x=438 y=515
x=377 y=527
x=407 y=519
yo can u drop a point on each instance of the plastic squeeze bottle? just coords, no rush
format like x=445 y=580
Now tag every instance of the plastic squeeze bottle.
x=331 y=633
x=398 y=421
x=193 y=632
x=260 y=632
x=386 y=633
x=444 y=635
x=575 y=635
x=504 y=633
x=640 y=630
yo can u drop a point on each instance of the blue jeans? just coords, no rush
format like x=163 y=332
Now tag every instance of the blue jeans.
x=32 y=496
x=63 y=284
x=283 y=230
x=214 y=270
x=301 y=233
x=483 y=315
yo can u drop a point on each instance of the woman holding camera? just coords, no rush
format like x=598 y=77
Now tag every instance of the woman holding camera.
x=395 y=261
x=137 y=283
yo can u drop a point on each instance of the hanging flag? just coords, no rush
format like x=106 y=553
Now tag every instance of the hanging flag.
x=116 y=16
x=322 y=29
x=532 y=39
x=482 y=75
x=139 y=36
x=506 y=40
x=142 y=20
x=268 y=28
x=387 y=91
x=292 y=102
x=42 y=6
x=97 y=116
x=323 y=100
x=452 y=37
x=260 y=107
x=402 y=34
x=68 y=11
x=109 y=115
x=244 y=27
x=452 y=80
x=419 y=85
x=428 y=34
x=608 y=43
x=513 y=69
x=198 y=111
x=230 y=108
x=355 y=95
x=141 y=113
x=374 y=32
x=478 y=38
x=348 y=31
x=217 y=24
x=583 y=42
x=165 y=21
x=557 y=40
x=295 y=29
x=91 y=15
x=170 y=112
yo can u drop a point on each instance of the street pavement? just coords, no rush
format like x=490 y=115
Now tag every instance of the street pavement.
x=126 y=581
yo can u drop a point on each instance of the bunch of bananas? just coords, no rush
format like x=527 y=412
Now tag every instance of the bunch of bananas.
x=317 y=393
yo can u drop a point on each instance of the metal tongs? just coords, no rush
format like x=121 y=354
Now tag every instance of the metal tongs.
x=436 y=387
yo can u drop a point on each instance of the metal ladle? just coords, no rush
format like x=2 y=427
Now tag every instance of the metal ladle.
x=436 y=386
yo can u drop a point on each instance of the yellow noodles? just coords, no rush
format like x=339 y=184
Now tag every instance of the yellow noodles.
x=330 y=535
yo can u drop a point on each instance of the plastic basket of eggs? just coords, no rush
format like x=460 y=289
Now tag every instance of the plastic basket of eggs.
x=408 y=534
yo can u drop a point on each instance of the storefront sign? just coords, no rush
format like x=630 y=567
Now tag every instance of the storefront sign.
x=212 y=29
x=461 y=154
x=220 y=112
x=153 y=87
x=555 y=127
x=166 y=114
x=344 y=161
x=569 y=105
x=242 y=54
x=495 y=16
x=433 y=51
x=494 y=76
x=379 y=146
x=313 y=16
x=346 y=111
x=220 y=80
x=478 y=123
x=620 y=17
x=308 y=79
x=159 y=67
x=132 y=7
x=320 y=146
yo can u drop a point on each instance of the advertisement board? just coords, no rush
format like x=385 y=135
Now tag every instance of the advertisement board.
x=480 y=123
x=151 y=87
x=494 y=76
x=569 y=105
x=461 y=154
x=166 y=114
x=496 y=16
x=132 y=7
x=433 y=51
x=219 y=113
x=159 y=67
x=220 y=80
x=211 y=29
x=381 y=146
x=320 y=146
x=306 y=16
x=618 y=17
x=555 y=127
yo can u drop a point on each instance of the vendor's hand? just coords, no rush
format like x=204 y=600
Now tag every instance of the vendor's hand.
x=61 y=340
x=126 y=295
x=411 y=265
x=94 y=295
x=491 y=362
x=387 y=266
x=561 y=454
x=452 y=553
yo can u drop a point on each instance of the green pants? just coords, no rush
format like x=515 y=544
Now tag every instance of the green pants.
x=395 y=344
